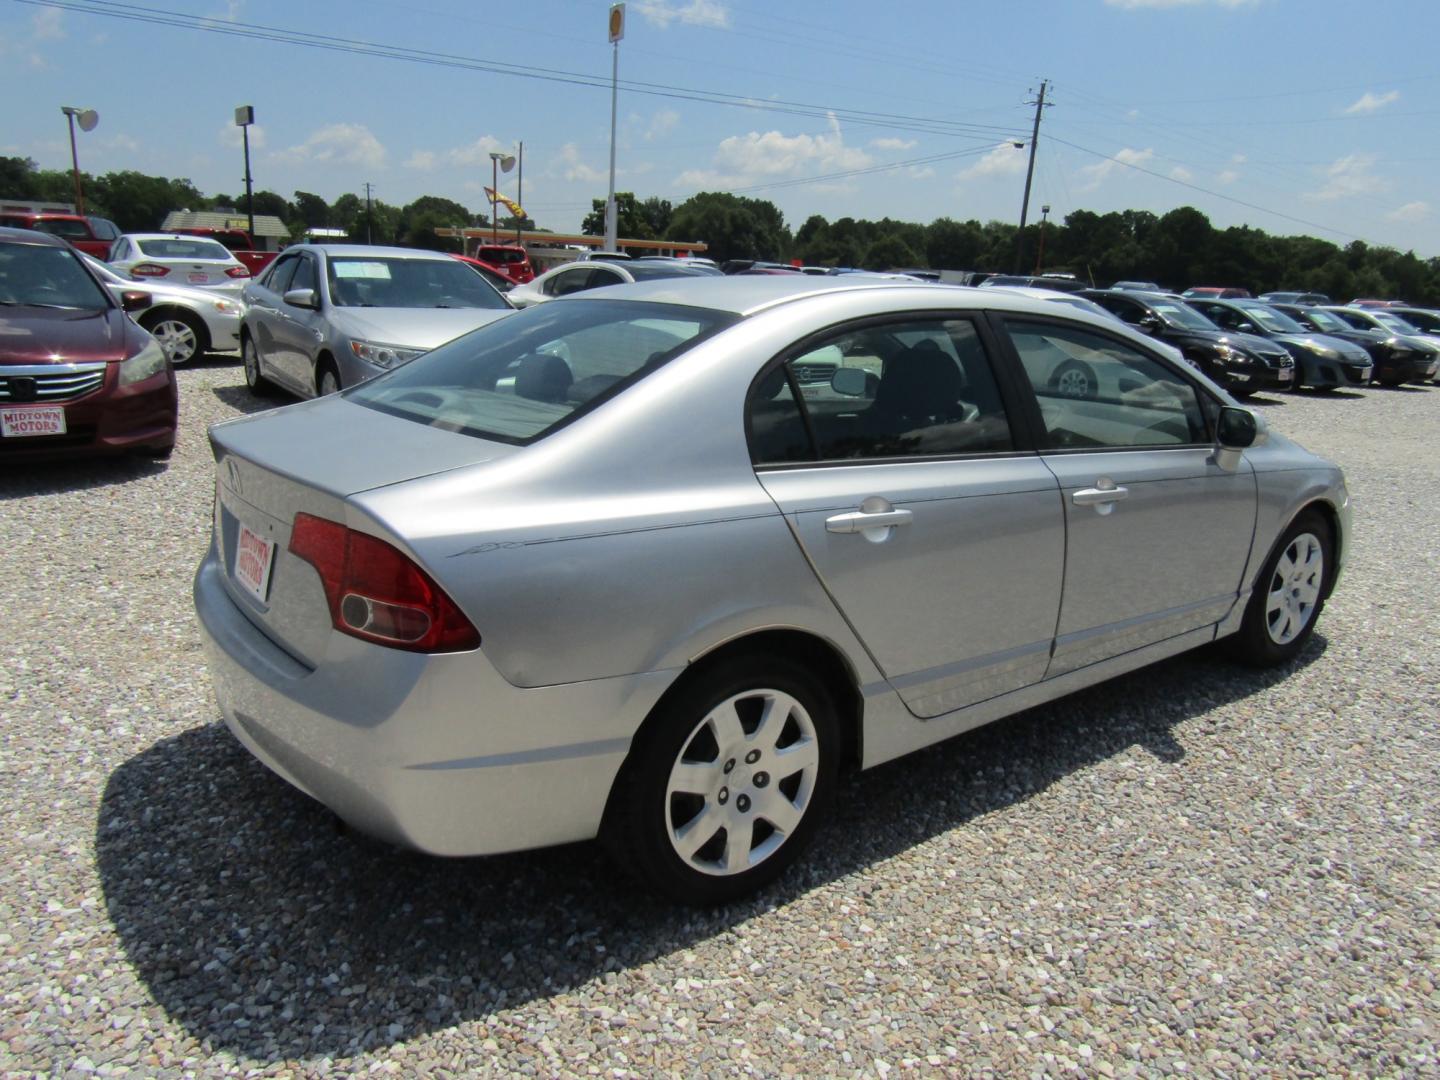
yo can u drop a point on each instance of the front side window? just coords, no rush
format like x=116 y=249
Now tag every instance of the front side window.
x=519 y=378
x=918 y=388
x=277 y=280
x=1094 y=391
x=304 y=275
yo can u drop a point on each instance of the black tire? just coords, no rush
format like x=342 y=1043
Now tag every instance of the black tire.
x=1242 y=393
x=1265 y=639
x=325 y=368
x=183 y=336
x=259 y=385
x=1075 y=379
x=644 y=822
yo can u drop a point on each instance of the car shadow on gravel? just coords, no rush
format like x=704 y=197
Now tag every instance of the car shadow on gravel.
x=266 y=931
x=242 y=399
x=54 y=477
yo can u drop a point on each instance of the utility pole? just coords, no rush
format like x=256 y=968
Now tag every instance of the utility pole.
x=1029 y=175
x=617 y=31
x=369 y=214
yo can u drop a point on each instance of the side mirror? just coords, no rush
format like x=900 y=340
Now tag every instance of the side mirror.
x=1245 y=328
x=135 y=300
x=848 y=381
x=1237 y=430
x=1150 y=323
x=303 y=298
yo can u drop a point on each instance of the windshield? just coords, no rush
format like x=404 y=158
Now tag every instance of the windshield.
x=398 y=282
x=1277 y=322
x=651 y=271
x=1323 y=320
x=518 y=379
x=1178 y=314
x=37 y=276
x=1394 y=322
x=173 y=248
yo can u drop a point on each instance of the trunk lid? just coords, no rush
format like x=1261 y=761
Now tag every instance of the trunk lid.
x=310 y=457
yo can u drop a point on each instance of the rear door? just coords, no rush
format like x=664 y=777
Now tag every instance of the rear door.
x=1157 y=533
x=939 y=535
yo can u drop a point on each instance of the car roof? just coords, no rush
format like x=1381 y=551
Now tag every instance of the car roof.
x=167 y=236
x=372 y=251
x=747 y=295
x=31 y=236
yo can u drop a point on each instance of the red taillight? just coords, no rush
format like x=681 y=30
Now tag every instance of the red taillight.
x=237 y=272
x=377 y=593
x=149 y=270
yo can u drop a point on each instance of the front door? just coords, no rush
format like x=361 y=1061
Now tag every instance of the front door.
x=1157 y=534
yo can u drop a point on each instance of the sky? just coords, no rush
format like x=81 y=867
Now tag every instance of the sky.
x=1291 y=116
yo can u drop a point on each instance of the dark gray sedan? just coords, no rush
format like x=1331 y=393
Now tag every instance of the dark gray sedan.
x=655 y=562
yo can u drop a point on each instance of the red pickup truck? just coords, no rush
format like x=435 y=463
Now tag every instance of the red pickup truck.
x=240 y=244
x=92 y=235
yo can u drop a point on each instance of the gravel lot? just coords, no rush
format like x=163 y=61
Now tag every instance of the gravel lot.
x=1195 y=868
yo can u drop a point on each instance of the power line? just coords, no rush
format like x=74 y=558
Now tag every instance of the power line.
x=255 y=31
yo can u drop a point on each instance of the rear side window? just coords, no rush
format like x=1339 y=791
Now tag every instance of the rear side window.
x=69 y=229
x=1094 y=391
x=916 y=388
x=525 y=375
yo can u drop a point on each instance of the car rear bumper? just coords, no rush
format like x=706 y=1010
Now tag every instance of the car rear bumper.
x=142 y=418
x=436 y=753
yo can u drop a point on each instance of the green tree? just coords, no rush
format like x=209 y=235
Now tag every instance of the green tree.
x=312 y=210
x=139 y=203
x=419 y=220
x=889 y=253
x=953 y=245
x=734 y=227
x=631 y=222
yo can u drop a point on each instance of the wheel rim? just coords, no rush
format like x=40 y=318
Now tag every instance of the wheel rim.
x=1073 y=383
x=1294 y=588
x=252 y=363
x=177 y=339
x=742 y=782
x=329 y=384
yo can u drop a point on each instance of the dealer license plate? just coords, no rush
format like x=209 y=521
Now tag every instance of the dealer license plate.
x=24 y=422
x=199 y=279
x=254 y=557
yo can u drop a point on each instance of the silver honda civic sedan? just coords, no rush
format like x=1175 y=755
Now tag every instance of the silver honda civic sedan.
x=654 y=563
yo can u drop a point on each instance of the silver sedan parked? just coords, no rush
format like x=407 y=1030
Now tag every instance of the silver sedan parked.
x=187 y=321
x=611 y=566
x=326 y=316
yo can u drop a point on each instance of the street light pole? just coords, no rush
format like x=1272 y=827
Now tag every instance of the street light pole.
x=617 y=31
x=88 y=119
x=244 y=117
x=1040 y=255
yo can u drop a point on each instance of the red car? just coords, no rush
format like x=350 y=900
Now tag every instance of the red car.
x=91 y=235
x=512 y=260
x=77 y=376
x=493 y=274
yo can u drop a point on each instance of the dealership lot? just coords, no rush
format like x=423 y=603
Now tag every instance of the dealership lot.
x=1194 y=866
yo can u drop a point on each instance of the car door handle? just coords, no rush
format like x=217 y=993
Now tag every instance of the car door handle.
x=859 y=521
x=1099 y=496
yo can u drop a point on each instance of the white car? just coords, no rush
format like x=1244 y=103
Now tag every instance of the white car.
x=179 y=260
x=187 y=321
x=593 y=274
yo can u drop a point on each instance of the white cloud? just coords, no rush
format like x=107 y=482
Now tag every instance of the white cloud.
x=661 y=124
x=1132 y=5
x=742 y=159
x=662 y=13
x=893 y=144
x=468 y=156
x=48 y=24
x=1004 y=159
x=1179 y=172
x=1350 y=175
x=338 y=144
x=121 y=141
x=1411 y=212
x=920 y=172
x=232 y=136
x=1230 y=175
x=573 y=167
x=1369 y=103
x=1095 y=175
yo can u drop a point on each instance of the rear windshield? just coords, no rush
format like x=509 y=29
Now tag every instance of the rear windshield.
x=36 y=276
x=518 y=379
x=66 y=227
x=502 y=255
x=172 y=248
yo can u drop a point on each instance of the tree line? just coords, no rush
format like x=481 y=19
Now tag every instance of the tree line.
x=1176 y=249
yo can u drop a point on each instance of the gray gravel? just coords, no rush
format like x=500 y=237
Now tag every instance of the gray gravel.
x=1192 y=869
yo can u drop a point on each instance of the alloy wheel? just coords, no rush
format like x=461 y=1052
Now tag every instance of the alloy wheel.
x=178 y=340
x=1294 y=588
